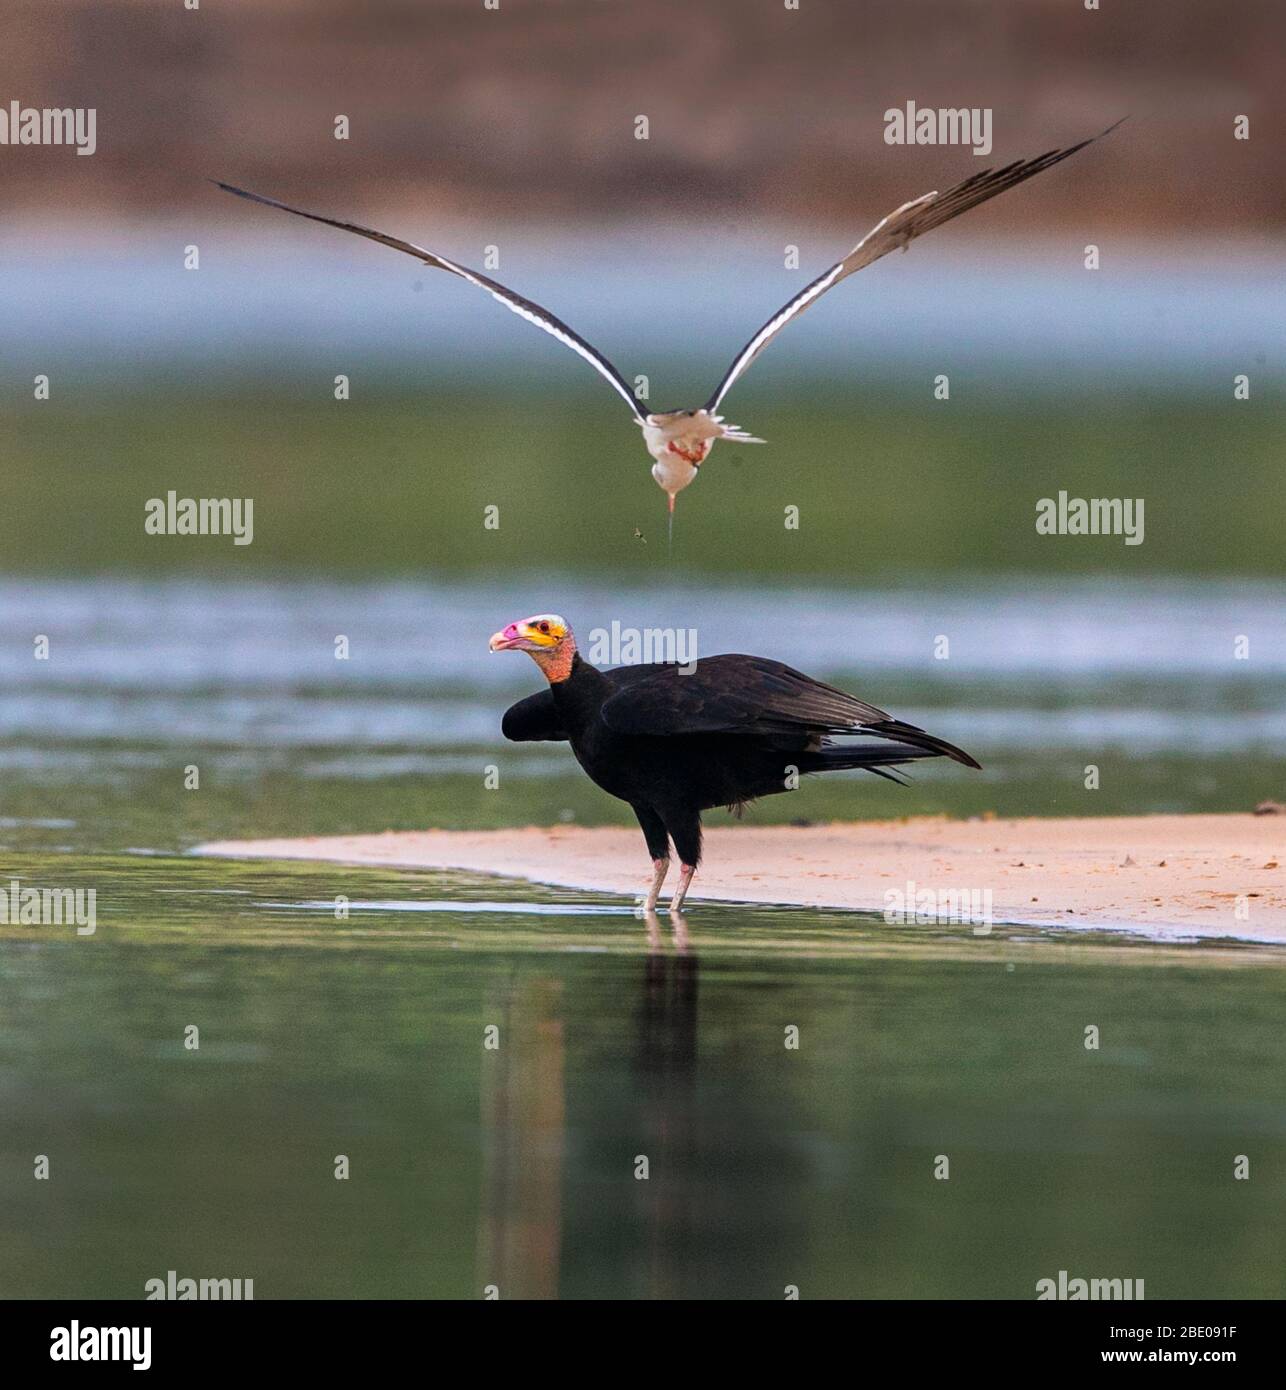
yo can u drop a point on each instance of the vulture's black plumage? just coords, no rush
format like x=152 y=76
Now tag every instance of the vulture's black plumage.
x=675 y=744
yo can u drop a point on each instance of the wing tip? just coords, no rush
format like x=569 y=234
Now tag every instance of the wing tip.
x=250 y=197
x=917 y=737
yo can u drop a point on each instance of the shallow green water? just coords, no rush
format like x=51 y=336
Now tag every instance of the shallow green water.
x=515 y=1167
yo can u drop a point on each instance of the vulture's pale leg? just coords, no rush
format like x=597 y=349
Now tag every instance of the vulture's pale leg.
x=684 y=825
x=681 y=892
x=658 y=847
x=660 y=867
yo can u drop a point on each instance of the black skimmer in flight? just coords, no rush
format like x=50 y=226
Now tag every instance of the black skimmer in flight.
x=680 y=440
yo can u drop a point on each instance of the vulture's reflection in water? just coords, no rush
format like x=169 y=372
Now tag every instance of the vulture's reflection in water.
x=524 y=1084
x=667 y=1015
x=666 y=1064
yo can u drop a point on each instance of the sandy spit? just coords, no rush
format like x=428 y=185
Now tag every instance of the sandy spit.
x=1171 y=876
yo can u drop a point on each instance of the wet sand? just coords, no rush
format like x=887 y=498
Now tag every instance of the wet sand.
x=1170 y=876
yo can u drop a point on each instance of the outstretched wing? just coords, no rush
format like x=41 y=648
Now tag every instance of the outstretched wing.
x=534 y=720
x=898 y=229
x=524 y=308
x=748 y=695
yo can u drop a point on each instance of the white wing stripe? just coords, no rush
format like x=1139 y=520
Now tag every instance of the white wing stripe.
x=774 y=326
x=899 y=228
x=524 y=308
x=577 y=345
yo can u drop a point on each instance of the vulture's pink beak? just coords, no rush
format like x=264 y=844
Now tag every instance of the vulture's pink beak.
x=507 y=639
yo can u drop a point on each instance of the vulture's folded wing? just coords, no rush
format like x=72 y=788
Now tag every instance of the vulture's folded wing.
x=751 y=696
x=730 y=694
x=534 y=720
